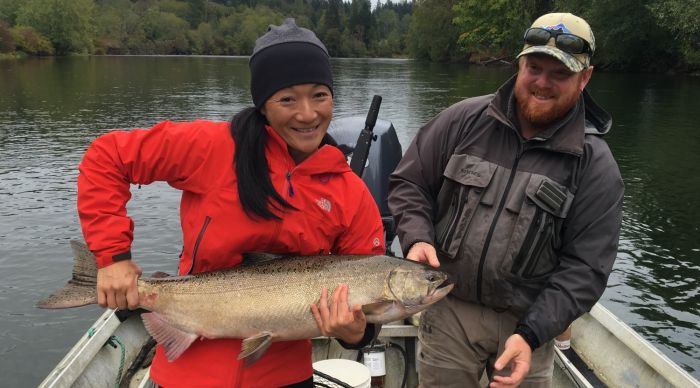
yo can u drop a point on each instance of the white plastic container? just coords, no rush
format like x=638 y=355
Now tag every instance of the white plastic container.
x=350 y=372
x=374 y=359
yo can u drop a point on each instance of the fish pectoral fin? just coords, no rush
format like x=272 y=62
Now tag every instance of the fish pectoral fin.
x=254 y=347
x=385 y=312
x=416 y=308
x=174 y=340
x=377 y=308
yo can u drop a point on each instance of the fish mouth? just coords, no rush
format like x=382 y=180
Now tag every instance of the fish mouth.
x=440 y=292
x=437 y=294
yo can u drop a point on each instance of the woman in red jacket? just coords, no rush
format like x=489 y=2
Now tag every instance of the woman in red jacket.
x=268 y=181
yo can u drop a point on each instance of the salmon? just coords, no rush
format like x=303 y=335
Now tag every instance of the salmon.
x=265 y=299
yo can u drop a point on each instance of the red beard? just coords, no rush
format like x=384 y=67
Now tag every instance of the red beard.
x=543 y=115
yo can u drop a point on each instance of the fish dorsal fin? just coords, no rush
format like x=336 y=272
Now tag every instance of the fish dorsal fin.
x=174 y=340
x=158 y=278
x=256 y=258
x=254 y=347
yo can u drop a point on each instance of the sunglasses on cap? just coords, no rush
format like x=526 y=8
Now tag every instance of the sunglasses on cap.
x=564 y=41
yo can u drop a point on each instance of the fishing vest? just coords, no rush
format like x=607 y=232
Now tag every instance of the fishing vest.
x=500 y=216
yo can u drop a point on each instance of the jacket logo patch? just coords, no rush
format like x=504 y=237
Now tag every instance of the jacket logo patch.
x=324 y=178
x=376 y=242
x=324 y=204
x=466 y=171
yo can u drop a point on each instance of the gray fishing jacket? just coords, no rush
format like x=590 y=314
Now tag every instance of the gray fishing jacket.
x=526 y=225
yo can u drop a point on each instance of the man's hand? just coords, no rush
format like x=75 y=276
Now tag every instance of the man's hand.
x=339 y=320
x=517 y=353
x=116 y=285
x=424 y=253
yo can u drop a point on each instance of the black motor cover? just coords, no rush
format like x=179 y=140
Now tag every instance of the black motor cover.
x=384 y=154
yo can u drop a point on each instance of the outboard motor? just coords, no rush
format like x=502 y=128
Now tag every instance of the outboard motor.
x=384 y=154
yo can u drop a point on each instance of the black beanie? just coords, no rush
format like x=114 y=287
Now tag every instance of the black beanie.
x=287 y=55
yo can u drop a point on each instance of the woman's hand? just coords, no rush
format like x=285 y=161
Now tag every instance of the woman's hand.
x=339 y=320
x=116 y=285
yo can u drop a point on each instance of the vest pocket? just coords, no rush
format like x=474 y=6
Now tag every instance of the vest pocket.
x=466 y=177
x=537 y=256
x=450 y=229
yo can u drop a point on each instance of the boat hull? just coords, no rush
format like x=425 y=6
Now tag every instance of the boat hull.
x=615 y=353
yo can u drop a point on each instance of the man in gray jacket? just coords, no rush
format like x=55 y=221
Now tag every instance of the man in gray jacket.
x=518 y=197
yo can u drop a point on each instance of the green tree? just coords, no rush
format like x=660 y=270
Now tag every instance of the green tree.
x=240 y=30
x=119 y=29
x=433 y=36
x=31 y=41
x=331 y=18
x=360 y=22
x=331 y=29
x=680 y=18
x=226 y=29
x=68 y=24
x=388 y=39
x=8 y=11
x=197 y=12
x=166 y=32
x=491 y=28
x=628 y=36
x=7 y=42
x=644 y=35
x=255 y=23
x=202 y=40
x=351 y=46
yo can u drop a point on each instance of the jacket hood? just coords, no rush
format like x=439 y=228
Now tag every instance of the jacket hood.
x=598 y=121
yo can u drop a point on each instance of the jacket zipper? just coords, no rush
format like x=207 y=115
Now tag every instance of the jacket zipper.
x=289 y=181
x=501 y=205
x=207 y=219
x=456 y=207
x=290 y=192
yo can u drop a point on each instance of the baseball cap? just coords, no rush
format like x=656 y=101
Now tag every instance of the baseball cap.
x=567 y=24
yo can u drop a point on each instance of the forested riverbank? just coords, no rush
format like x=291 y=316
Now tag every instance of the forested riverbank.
x=632 y=35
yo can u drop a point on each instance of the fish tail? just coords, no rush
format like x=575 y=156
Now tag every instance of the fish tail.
x=81 y=289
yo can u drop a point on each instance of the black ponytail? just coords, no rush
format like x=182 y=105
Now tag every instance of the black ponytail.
x=258 y=196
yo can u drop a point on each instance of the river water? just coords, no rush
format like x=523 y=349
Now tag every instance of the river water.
x=51 y=109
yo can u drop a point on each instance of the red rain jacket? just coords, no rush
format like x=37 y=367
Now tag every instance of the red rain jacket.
x=337 y=214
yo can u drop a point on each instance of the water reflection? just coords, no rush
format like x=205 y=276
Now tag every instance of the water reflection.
x=654 y=286
x=51 y=108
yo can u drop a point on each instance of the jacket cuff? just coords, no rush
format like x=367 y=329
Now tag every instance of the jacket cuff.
x=528 y=335
x=371 y=332
x=107 y=259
